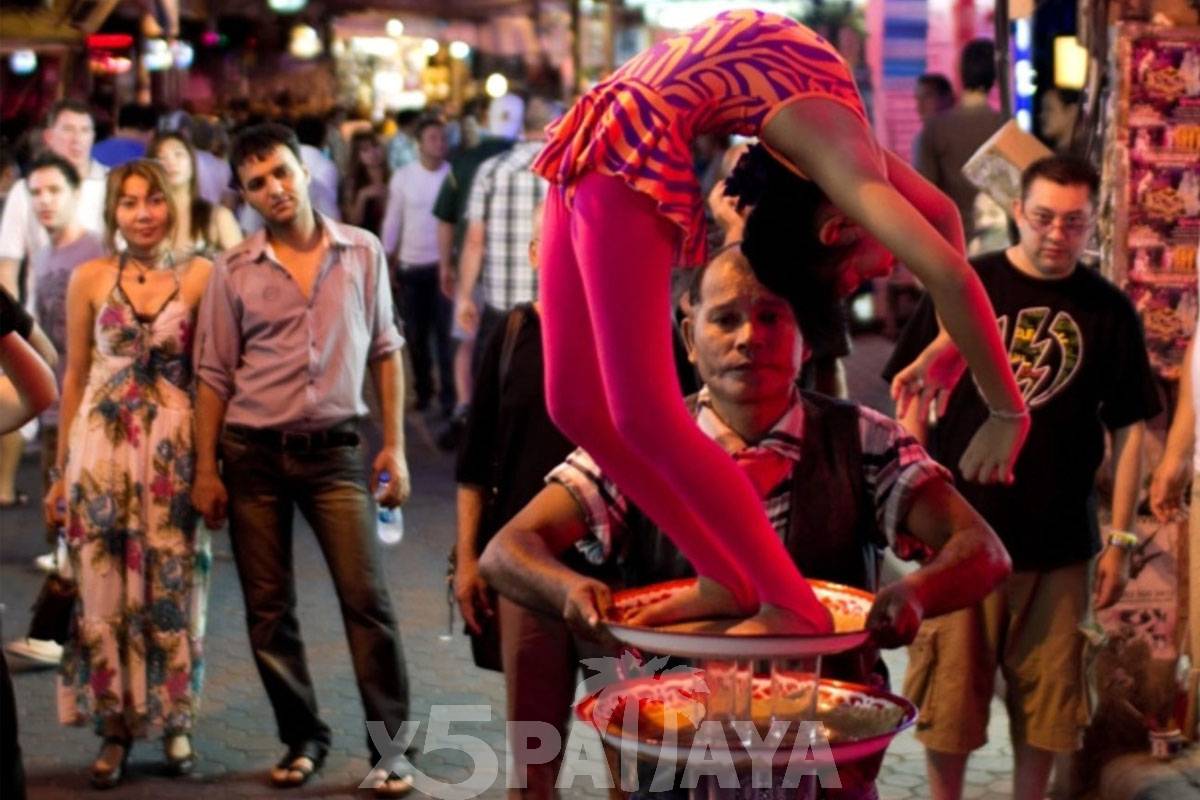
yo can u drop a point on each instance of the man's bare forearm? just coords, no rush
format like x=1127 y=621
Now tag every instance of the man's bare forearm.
x=1127 y=476
x=9 y=270
x=388 y=374
x=210 y=417
x=969 y=559
x=519 y=565
x=470 y=500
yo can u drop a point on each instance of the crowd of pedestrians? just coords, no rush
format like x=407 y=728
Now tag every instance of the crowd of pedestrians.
x=213 y=294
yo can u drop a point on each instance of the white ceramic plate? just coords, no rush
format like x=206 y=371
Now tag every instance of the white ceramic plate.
x=849 y=608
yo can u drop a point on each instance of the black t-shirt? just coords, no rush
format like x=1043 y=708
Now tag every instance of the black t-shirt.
x=510 y=444
x=451 y=202
x=1078 y=354
x=13 y=317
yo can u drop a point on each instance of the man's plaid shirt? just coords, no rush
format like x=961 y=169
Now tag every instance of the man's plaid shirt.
x=503 y=196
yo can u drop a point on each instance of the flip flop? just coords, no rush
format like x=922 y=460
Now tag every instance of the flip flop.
x=281 y=775
x=19 y=501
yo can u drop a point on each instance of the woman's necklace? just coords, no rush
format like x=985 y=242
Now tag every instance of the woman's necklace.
x=143 y=268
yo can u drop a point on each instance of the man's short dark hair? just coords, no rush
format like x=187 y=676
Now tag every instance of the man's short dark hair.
x=1065 y=170
x=425 y=124
x=67 y=104
x=137 y=116
x=259 y=141
x=939 y=84
x=310 y=130
x=55 y=161
x=408 y=116
x=977 y=66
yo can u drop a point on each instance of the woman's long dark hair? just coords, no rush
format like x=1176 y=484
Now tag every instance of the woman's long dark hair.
x=202 y=210
x=780 y=239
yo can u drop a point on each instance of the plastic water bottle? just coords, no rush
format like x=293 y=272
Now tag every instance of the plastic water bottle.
x=390 y=524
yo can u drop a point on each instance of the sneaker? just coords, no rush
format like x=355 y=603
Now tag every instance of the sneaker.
x=39 y=651
x=46 y=563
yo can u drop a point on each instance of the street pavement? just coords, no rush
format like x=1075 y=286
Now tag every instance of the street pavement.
x=235 y=735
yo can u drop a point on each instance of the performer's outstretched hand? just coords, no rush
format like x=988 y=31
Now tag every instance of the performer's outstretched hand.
x=993 y=451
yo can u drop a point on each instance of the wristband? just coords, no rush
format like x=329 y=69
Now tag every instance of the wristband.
x=1122 y=540
x=1009 y=415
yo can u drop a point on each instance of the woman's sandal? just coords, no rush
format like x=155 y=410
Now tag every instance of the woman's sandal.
x=292 y=772
x=178 y=764
x=108 y=769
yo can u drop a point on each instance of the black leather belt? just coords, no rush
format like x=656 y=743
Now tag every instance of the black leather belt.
x=343 y=435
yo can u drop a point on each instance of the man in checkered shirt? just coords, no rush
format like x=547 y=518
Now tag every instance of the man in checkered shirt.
x=500 y=208
x=838 y=481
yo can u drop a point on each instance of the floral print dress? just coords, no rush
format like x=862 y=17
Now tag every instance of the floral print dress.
x=135 y=655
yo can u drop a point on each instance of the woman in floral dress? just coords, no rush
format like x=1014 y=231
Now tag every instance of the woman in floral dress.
x=133 y=665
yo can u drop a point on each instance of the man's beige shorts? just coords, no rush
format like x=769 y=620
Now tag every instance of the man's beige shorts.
x=1029 y=629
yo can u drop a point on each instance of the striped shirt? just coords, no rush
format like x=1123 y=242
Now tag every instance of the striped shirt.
x=503 y=196
x=894 y=464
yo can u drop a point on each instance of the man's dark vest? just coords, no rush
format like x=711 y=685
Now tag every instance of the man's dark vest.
x=832 y=532
x=832 y=535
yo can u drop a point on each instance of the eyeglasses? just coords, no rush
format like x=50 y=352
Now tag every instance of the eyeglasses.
x=1042 y=221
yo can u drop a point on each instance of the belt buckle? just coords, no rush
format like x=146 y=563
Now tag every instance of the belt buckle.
x=303 y=442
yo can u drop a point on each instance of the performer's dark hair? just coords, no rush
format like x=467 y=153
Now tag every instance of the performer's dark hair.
x=780 y=239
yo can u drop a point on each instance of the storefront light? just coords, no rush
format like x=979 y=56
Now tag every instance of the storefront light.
x=105 y=64
x=395 y=27
x=1070 y=63
x=286 y=6
x=431 y=47
x=496 y=85
x=460 y=50
x=304 y=43
x=183 y=54
x=380 y=46
x=23 y=62
x=156 y=56
x=1024 y=75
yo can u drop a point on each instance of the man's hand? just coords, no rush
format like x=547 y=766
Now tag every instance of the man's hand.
x=398 y=485
x=725 y=212
x=209 y=498
x=471 y=591
x=466 y=314
x=1112 y=573
x=446 y=282
x=930 y=379
x=896 y=615
x=1166 y=487
x=586 y=607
